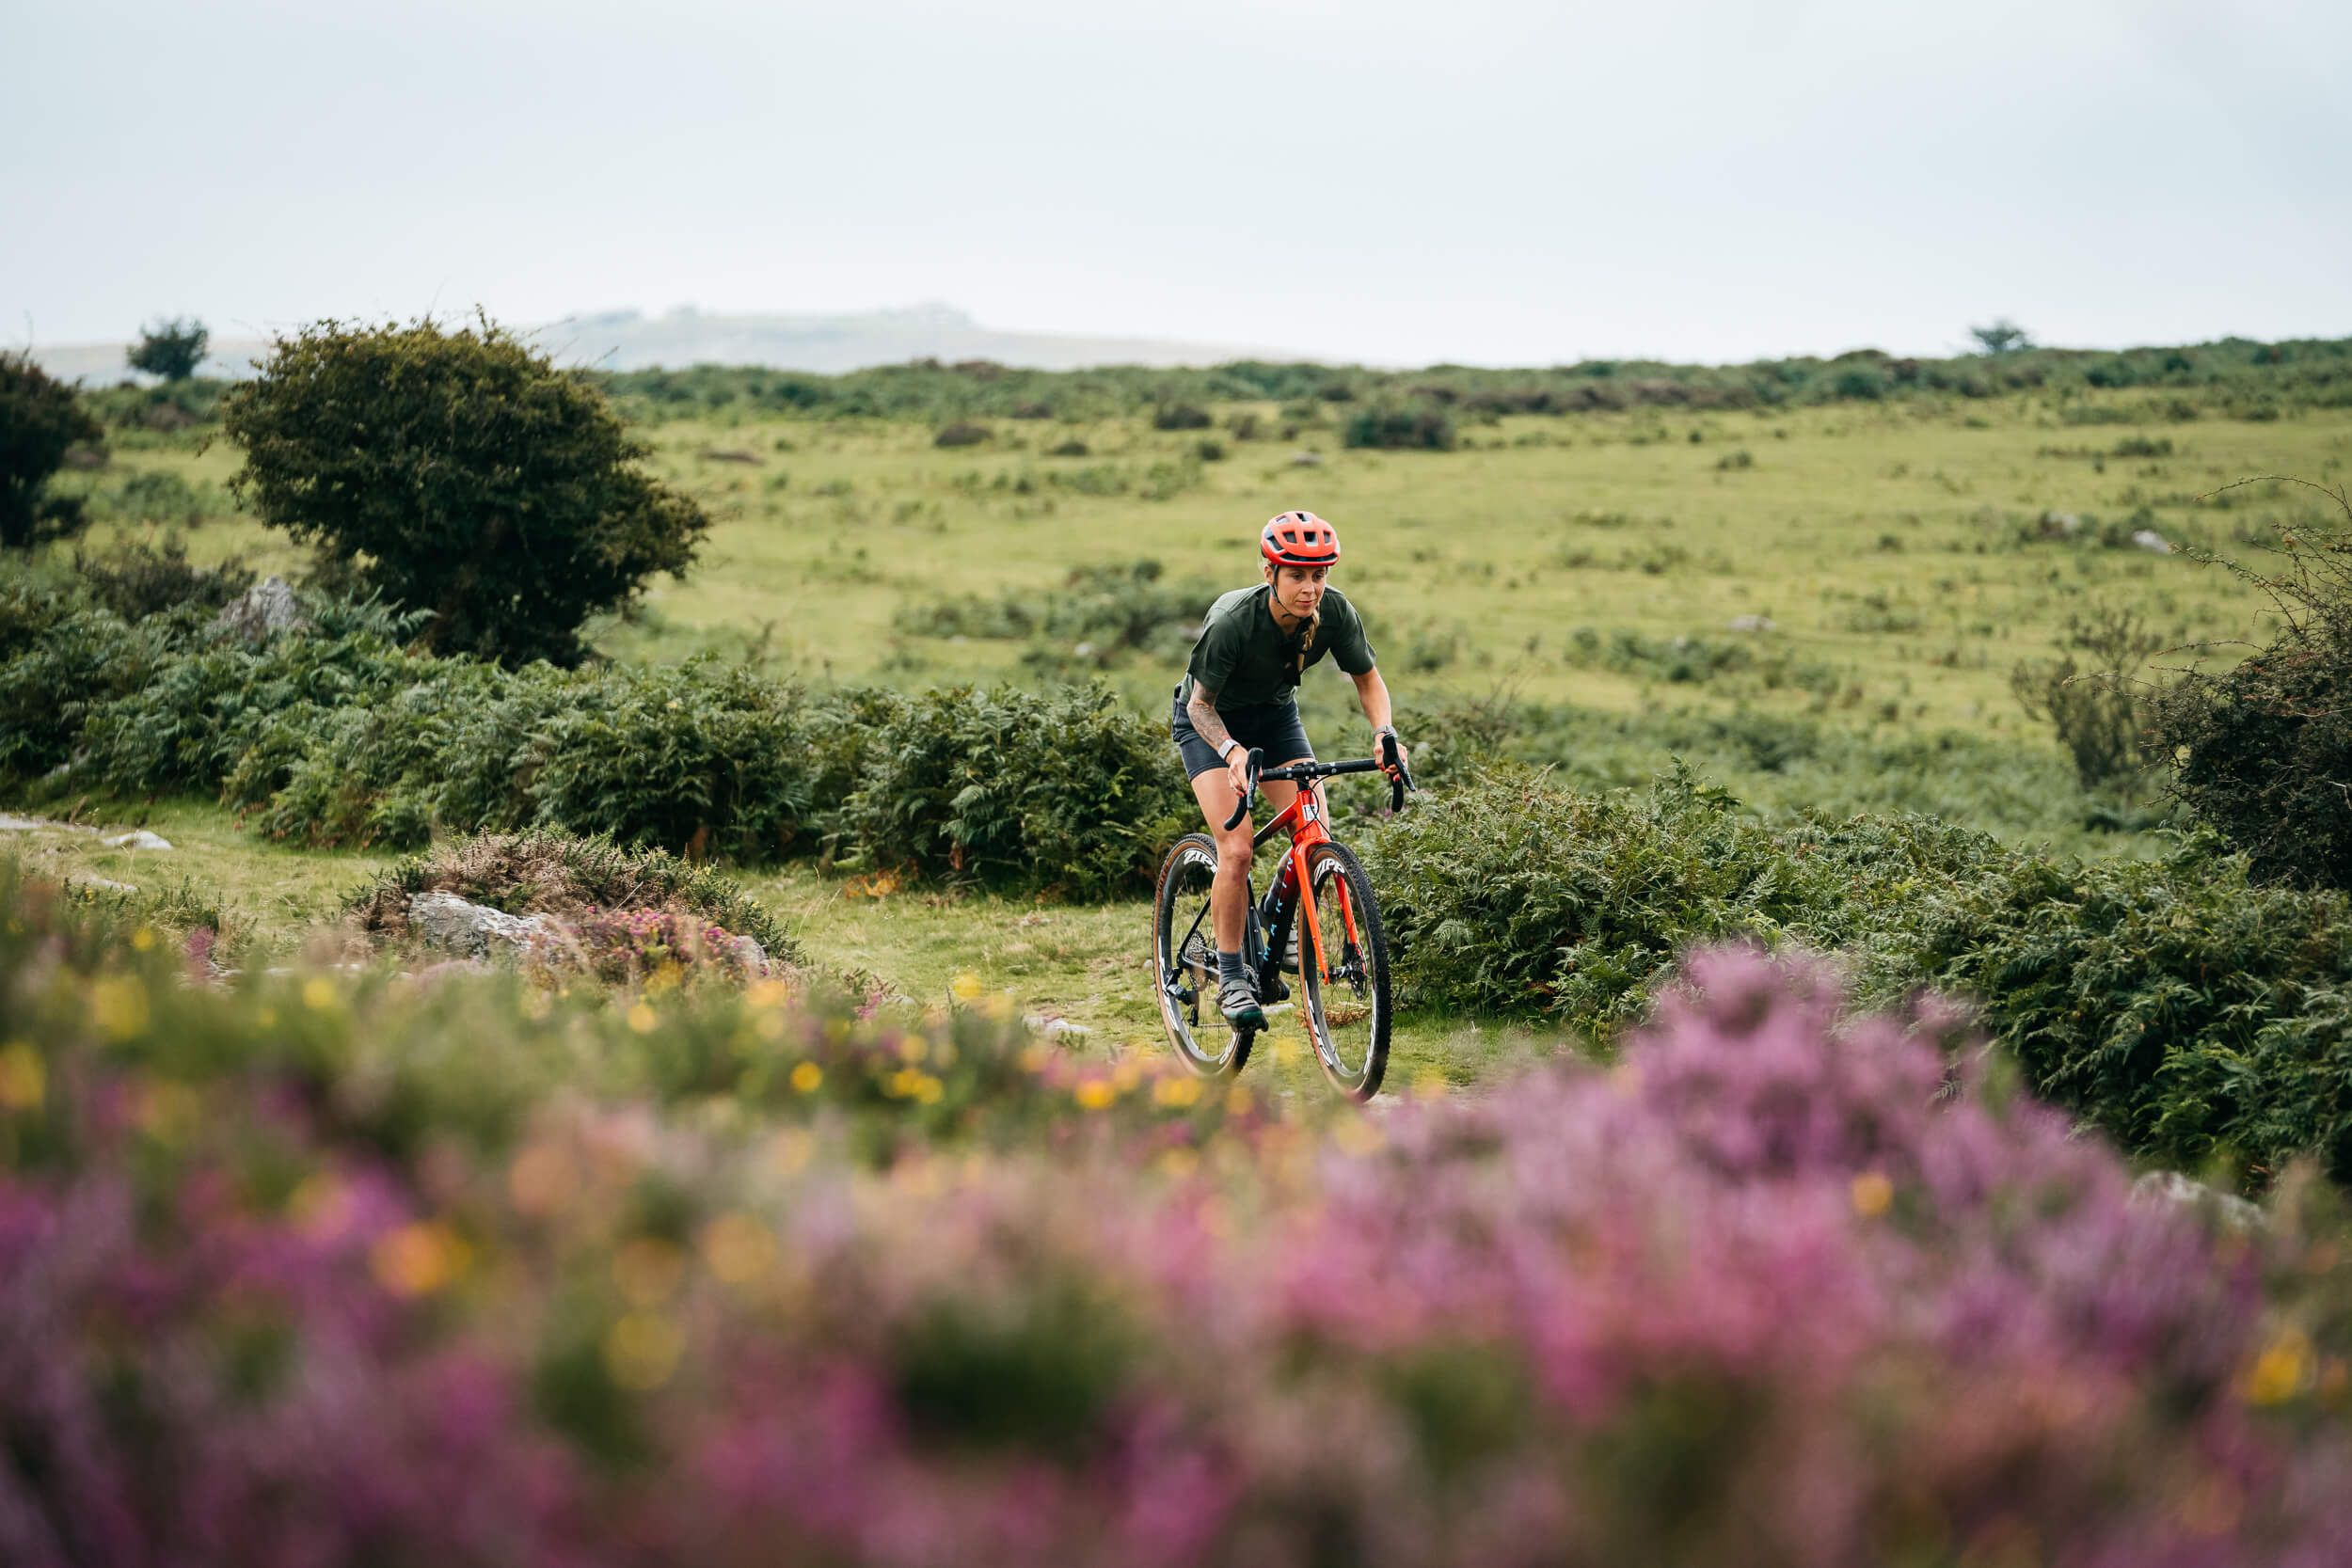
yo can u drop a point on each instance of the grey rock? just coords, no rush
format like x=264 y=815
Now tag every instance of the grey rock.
x=2171 y=1187
x=262 y=610
x=1053 y=1026
x=1754 y=622
x=445 y=920
x=2060 y=524
x=106 y=883
x=1306 y=460
x=139 y=838
x=2149 y=539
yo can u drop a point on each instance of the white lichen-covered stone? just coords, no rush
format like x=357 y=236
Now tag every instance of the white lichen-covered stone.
x=2150 y=540
x=476 y=930
x=264 y=609
x=1754 y=624
x=2171 y=1187
x=140 y=839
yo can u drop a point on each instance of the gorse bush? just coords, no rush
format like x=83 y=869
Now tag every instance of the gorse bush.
x=2263 y=751
x=461 y=474
x=2193 y=1015
x=465 y=1273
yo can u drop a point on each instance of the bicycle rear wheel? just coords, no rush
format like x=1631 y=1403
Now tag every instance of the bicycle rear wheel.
x=1344 y=960
x=1183 y=962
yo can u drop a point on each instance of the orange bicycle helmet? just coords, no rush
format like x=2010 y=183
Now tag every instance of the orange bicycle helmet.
x=1300 y=539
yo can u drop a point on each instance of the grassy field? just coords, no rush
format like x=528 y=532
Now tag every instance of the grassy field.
x=1897 y=549
x=1907 y=556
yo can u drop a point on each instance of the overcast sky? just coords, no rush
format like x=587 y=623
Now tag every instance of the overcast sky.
x=1485 y=180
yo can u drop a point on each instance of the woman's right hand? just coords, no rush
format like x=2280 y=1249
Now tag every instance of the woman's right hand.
x=1237 y=770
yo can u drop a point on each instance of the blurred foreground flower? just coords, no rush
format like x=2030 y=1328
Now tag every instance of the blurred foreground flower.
x=419 y=1278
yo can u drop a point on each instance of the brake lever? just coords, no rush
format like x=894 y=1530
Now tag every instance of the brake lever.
x=1257 y=761
x=1400 y=777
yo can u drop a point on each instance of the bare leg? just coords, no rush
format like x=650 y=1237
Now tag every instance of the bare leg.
x=1230 y=895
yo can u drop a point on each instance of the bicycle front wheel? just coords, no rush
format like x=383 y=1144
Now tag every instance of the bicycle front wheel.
x=1344 y=960
x=1183 y=962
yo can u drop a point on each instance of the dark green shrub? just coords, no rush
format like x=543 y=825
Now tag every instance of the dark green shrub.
x=60 y=658
x=161 y=496
x=171 y=349
x=137 y=579
x=2195 y=1018
x=1512 y=894
x=370 y=774
x=2263 y=751
x=962 y=433
x=2096 y=709
x=1422 y=427
x=219 y=710
x=491 y=771
x=458 y=473
x=1009 y=788
x=1179 y=416
x=697 y=759
x=40 y=420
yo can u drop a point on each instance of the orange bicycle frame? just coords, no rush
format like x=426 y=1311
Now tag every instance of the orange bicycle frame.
x=1303 y=820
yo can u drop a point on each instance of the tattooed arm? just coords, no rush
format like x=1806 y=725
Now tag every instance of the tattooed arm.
x=1202 y=710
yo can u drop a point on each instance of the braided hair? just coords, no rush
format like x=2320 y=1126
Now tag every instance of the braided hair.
x=1306 y=646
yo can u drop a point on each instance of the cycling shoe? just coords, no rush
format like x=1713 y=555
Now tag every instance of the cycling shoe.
x=1238 y=1001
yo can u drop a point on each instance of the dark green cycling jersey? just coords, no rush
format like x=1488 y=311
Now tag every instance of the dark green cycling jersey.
x=1245 y=660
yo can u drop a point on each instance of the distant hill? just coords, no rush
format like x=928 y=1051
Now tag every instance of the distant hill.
x=630 y=340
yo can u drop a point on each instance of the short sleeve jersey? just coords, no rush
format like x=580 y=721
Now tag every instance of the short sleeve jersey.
x=1245 y=659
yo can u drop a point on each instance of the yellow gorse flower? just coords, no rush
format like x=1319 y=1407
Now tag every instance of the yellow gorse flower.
x=24 y=1080
x=2279 y=1374
x=642 y=1350
x=1870 y=1194
x=417 y=1260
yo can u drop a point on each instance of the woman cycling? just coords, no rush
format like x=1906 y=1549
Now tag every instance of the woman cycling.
x=1236 y=697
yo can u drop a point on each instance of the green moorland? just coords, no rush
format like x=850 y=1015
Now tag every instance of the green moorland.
x=1634 y=584
x=316 y=1248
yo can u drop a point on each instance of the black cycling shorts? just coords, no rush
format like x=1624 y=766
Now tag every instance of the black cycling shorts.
x=1271 y=727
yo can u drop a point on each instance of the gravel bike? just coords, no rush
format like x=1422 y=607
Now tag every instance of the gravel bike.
x=1339 y=956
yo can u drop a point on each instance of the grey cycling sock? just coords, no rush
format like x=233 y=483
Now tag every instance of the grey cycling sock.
x=1228 y=970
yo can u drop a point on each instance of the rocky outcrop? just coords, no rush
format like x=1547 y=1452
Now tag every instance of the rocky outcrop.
x=475 y=930
x=262 y=612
